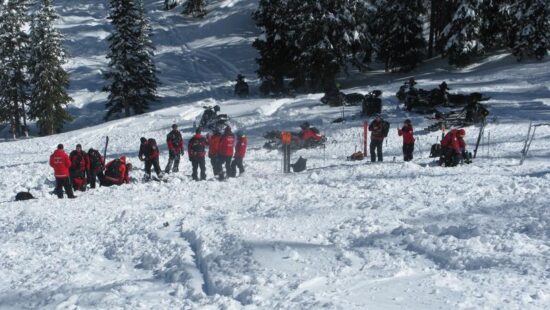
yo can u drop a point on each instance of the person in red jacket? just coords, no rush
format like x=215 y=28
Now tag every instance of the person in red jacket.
x=60 y=162
x=227 y=145
x=174 y=140
x=240 y=151
x=308 y=135
x=214 y=150
x=117 y=172
x=379 y=130
x=453 y=148
x=80 y=165
x=408 y=140
x=151 y=157
x=197 y=151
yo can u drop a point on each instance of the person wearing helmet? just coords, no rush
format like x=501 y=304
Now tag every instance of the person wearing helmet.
x=408 y=139
x=379 y=130
x=453 y=148
x=174 y=140
x=116 y=172
x=80 y=165
x=240 y=151
x=226 y=148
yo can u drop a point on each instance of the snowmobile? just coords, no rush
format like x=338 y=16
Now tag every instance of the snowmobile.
x=372 y=104
x=474 y=113
x=210 y=119
x=273 y=142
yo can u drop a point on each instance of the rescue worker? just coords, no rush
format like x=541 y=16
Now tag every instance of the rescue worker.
x=307 y=135
x=227 y=145
x=97 y=164
x=116 y=172
x=151 y=157
x=174 y=140
x=214 y=150
x=378 y=128
x=453 y=148
x=60 y=162
x=197 y=151
x=142 y=148
x=80 y=165
x=408 y=140
x=240 y=151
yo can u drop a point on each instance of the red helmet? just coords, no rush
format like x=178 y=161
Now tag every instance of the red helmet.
x=461 y=133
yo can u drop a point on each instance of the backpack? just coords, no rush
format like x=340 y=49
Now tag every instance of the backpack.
x=151 y=147
x=174 y=138
x=385 y=128
x=197 y=146
x=357 y=156
x=315 y=130
x=114 y=169
x=23 y=196
x=435 y=151
x=299 y=165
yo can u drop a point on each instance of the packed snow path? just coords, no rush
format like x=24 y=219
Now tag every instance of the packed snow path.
x=342 y=235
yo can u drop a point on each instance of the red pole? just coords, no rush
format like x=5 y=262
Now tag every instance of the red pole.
x=365 y=136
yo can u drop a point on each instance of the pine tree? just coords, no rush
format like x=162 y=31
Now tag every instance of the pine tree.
x=13 y=64
x=170 y=4
x=495 y=23
x=531 y=29
x=132 y=74
x=49 y=80
x=399 y=34
x=196 y=8
x=463 y=33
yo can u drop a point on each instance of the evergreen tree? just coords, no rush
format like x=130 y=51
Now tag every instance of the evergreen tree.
x=49 y=80
x=463 y=33
x=132 y=74
x=170 y=4
x=13 y=64
x=398 y=32
x=196 y=8
x=495 y=23
x=531 y=29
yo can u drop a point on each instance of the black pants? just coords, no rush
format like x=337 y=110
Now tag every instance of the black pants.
x=227 y=161
x=408 y=150
x=173 y=159
x=237 y=162
x=376 y=150
x=449 y=158
x=63 y=183
x=154 y=163
x=197 y=162
x=216 y=164
x=92 y=176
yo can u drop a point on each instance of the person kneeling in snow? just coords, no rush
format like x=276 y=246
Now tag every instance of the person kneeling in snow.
x=116 y=172
x=308 y=135
x=453 y=148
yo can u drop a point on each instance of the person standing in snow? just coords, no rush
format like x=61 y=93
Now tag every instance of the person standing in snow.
x=174 y=140
x=151 y=157
x=142 y=148
x=117 y=172
x=240 y=151
x=408 y=140
x=80 y=165
x=60 y=162
x=453 y=148
x=197 y=151
x=97 y=164
x=226 y=147
x=379 y=130
x=214 y=150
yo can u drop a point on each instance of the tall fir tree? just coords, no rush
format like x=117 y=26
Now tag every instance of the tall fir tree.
x=531 y=28
x=196 y=8
x=132 y=75
x=399 y=33
x=14 y=84
x=495 y=23
x=49 y=81
x=463 y=33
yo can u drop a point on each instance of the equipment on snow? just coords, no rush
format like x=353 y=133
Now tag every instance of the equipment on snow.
x=105 y=149
x=435 y=151
x=356 y=156
x=299 y=165
x=23 y=196
x=529 y=139
x=372 y=104
x=479 y=137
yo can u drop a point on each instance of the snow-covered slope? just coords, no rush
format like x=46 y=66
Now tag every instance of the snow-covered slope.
x=341 y=235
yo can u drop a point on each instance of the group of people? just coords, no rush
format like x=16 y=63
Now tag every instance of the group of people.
x=453 y=147
x=223 y=149
x=74 y=172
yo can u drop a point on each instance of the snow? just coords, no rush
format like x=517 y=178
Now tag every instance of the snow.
x=341 y=235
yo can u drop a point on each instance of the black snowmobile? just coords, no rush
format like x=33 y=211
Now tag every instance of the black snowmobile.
x=473 y=113
x=212 y=120
x=372 y=104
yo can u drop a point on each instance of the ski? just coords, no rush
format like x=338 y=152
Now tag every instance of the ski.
x=479 y=136
x=527 y=145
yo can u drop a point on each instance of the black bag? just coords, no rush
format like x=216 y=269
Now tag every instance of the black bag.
x=23 y=196
x=435 y=151
x=299 y=165
x=385 y=128
x=151 y=147
x=197 y=146
x=174 y=138
x=114 y=169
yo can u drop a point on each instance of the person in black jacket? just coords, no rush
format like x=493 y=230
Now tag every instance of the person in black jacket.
x=97 y=165
x=197 y=151
x=379 y=130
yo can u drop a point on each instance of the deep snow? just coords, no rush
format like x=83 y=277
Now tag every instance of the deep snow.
x=342 y=235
